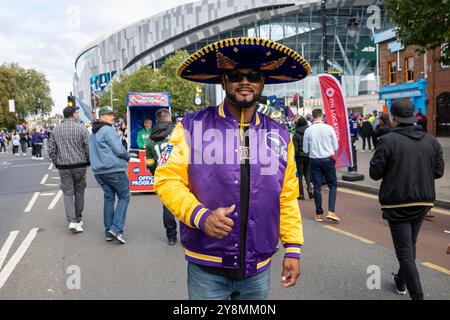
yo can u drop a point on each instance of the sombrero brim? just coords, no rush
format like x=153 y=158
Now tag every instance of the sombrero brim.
x=278 y=63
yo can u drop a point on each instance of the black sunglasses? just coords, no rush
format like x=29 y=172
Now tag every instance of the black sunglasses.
x=251 y=76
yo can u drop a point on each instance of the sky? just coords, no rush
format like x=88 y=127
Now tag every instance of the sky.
x=47 y=35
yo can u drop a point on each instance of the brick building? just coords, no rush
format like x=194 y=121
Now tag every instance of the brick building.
x=421 y=79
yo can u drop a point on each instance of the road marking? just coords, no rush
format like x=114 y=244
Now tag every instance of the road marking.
x=349 y=234
x=44 y=179
x=436 y=267
x=440 y=211
x=51 y=185
x=357 y=193
x=55 y=200
x=56 y=178
x=32 y=201
x=27 y=165
x=371 y=196
x=48 y=194
x=51 y=166
x=18 y=255
x=7 y=246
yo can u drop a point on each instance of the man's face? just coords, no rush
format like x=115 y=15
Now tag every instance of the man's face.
x=243 y=87
x=108 y=118
x=148 y=124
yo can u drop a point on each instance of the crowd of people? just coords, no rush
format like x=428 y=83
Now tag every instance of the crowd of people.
x=23 y=139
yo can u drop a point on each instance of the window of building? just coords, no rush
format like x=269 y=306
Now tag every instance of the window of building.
x=409 y=69
x=443 y=47
x=392 y=72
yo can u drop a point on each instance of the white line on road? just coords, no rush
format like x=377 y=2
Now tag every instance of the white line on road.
x=51 y=166
x=56 y=178
x=32 y=201
x=48 y=194
x=18 y=255
x=27 y=165
x=55 y=200
x=44 y=179
x=51 y=185
x=7 y=246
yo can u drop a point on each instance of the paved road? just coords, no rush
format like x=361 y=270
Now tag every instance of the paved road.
x=334 y=265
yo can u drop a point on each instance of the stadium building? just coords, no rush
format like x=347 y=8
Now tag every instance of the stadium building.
x=298 y=24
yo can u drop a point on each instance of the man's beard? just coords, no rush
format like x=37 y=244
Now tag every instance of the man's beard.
x=243 y=104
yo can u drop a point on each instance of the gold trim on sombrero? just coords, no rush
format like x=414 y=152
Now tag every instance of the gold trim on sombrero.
x=272 y=65
x=202 y=76
x=282 y=78
x=248 y=41
x=223 y=62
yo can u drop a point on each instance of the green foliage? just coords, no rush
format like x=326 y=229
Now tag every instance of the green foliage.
x=32 y=91
x=7 y=91
x=146 y=79
x=424 y=23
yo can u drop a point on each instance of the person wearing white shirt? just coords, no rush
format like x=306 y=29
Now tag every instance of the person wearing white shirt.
x=321 y=143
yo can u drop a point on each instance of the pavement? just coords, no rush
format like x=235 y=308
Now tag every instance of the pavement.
x=372 y=186
x=41 y=259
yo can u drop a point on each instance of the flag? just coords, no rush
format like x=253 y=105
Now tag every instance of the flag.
x=336 y=116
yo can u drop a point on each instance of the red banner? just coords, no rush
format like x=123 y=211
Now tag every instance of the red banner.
x=336 y=116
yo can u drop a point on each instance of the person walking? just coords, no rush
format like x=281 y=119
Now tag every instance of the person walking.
x=68 y=150
x=23 y=142
x=321 y=143
x=231 y=222
x=123 y=134
x=384 y=127
x=2 y=141
x=155 y=147
x=38 y=142
x=408 y=160
x=302 y=159
x=421 y=119
x=15 y=139
x=366 y=133
x=109 y=164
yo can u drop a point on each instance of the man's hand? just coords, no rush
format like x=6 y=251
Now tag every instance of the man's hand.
x=217 y=225
x=290 y=273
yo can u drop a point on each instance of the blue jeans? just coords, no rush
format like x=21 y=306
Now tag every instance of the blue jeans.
x=324 y=168
x=203 y=285
x=112 y=184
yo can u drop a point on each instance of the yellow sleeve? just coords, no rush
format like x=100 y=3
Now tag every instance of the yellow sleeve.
x=291 y=227
x=172 y=182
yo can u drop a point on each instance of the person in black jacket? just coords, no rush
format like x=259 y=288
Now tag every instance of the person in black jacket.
x=384 y=127
x=366 y=133
x=302 y=159
x=408 y=160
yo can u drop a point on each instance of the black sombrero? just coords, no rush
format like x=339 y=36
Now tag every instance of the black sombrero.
x=278 y=63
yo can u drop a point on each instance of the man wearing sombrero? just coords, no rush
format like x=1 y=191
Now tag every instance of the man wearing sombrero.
x=228 y=174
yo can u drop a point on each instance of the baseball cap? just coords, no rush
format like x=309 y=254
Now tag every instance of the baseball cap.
x=403 y=111
x=105 y=110
x=68 y=111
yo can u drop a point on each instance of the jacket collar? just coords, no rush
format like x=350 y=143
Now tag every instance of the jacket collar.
x=224 y=113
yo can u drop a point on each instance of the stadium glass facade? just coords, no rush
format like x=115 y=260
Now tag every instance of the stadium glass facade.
x=296 y=24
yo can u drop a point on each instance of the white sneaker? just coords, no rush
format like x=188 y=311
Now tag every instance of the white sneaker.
x=75 y=227
x=80 y=223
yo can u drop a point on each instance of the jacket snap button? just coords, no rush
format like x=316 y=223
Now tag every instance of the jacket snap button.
x=235 y=181
x=235 y=264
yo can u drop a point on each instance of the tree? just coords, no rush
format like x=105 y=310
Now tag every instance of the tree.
x=7 y=92
x=424 y=23
x=146 y=79
x=32 y=90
